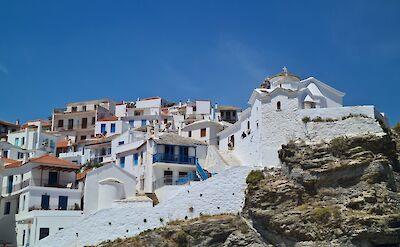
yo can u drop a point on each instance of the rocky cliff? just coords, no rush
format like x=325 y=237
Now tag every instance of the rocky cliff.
x=342 y=193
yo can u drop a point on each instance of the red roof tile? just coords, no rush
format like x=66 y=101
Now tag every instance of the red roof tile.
x=49 y=160
x=113 y=118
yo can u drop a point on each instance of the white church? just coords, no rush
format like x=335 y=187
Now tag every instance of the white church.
x=286 y=108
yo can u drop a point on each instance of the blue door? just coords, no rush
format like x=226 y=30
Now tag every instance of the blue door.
x=45 y=201
x=10 y=184
x=184 y=154
x=62 y=202
x=53 y=178
x=169 y=153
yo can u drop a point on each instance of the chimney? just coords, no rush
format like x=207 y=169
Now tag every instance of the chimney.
x=26 y=137
x=156 y=131
x=17 y=122
x=39 y=131
x=216 y=106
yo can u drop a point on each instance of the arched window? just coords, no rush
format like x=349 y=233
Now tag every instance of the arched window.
x=278 y=106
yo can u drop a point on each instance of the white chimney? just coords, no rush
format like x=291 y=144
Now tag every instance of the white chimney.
x=180 y=103
x=17 y=122
x=39 y=131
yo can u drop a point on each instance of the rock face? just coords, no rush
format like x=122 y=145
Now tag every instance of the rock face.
x=342 y=193
x=219 y=230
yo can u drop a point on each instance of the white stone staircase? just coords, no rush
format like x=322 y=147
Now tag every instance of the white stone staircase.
x=230 y=158
x=218 y=161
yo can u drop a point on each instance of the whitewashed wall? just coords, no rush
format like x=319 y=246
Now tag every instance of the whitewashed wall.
x=223 y=193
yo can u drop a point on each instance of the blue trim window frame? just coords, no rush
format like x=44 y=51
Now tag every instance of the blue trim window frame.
x=144 y=122
x=122 y=162
x=135 y=159
x=112 y=128
x=103 y=128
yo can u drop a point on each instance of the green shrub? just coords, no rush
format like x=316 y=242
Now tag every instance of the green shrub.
x=181 y=238
x=338 y=146
x=254 y=177
x=396 y=128
x=306 y=120
x=322 y=214
x=318 y=120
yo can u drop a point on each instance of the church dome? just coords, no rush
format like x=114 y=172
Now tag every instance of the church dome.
x=284 y=76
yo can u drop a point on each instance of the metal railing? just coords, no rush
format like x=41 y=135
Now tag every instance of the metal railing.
x=169 y=180
x=173 y=158
x=16 y=187
x=67 y=184
x=74 y=207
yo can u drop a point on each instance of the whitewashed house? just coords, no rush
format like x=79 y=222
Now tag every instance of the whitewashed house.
x=162 y=159
x=204 y=130
x=110 y=126
x=33 y=137
x=286 y=108
x=106 y=186
x=39 y=198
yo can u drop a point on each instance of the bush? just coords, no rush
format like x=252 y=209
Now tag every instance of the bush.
x=181 y=238
x=396 y=128
x=338 y=146
x=306 y=120
x=254 y=177
x=318 y=120
x=322 y=214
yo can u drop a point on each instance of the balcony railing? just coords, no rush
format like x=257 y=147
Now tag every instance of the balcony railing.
x=169 y=180
x=173 y=158
x=76 y=207
x=68 y=184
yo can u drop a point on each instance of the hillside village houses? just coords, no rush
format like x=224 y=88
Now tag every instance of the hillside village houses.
x=99 y=154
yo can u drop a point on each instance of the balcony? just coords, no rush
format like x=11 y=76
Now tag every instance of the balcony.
x=66 y=184
x=169 y=180
x=171 y=158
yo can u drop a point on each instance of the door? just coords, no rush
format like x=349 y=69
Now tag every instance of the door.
x=84 y=123
x=53 y=178
x=168 y=177
x=184 y=154
x=45 y=201
x=10 y=184
x=169 y=153
x=62 y=202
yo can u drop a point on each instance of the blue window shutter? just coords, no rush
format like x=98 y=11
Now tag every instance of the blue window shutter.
x=103 y=128
x=135 y=159
x=122 y=162
x=113 y=128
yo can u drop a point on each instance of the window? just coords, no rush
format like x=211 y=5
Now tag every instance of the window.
x=135 y=159
x=190 y=134
x=143 y=122
x=84 y=123
x=23 y=141
x=165 y=121
x=248 y=125
x=121 y=143
x=122 y=162
x=60 y=228
x=278 y=106
x=52 y=144
x=137 y=113
x=83 y=137
x=60 y=123
x=5 y=153
x=84 y=108
x=23 y=238
x=74 y=108
x=112 y=128
x=45 y=202
x=7 y=208
x=70 y=124
x=62 y=202
x=93 y=120
x=10 y=183
x=203 y=132
x=103 y=128
x=20 y=155
x=16 y=142
x=43 y=232
x=23 y=202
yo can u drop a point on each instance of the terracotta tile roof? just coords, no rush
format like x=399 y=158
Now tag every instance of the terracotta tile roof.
x=62 y=144
x=49 y=160
x=113 y=118
x=10 y=163
x=8 y=123
x=82 y=175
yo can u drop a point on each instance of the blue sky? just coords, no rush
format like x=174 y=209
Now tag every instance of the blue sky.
x=54 y=52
